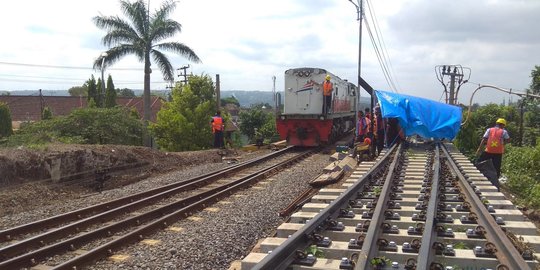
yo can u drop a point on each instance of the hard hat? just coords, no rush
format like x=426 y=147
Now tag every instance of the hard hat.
x=501 y=121
x=367 y=141
x=328 y=77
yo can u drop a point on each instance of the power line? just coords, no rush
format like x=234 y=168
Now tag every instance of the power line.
x=380 y=55
x=73 y=82
x=63 y=67
x=379 y=58
x=380 y=38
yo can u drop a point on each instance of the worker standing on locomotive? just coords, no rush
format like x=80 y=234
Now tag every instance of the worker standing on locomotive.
x=328 y=88
x=217 y=129
x=495 y=138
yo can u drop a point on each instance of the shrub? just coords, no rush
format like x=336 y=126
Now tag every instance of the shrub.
x=5 y=121
x=520 y=165
x=87 y=126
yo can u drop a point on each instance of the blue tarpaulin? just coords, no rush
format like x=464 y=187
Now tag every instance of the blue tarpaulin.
x=420 y=116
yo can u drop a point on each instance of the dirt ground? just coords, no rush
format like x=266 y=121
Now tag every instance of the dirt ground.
x=31 y=177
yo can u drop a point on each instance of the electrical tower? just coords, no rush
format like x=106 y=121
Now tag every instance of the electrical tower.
x=456 y=75
x=183 y=73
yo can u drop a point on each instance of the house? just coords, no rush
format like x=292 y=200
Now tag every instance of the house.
x=28 y=108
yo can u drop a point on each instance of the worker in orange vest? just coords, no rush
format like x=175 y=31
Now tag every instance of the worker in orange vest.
x=495 y=138
x=362 y=127
x=217 y=129
x=328 y=87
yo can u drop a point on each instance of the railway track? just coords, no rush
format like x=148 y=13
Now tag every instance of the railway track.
x=80 y=237
x=425 y=207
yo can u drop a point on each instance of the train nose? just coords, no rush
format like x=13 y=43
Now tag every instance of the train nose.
x=301 y=133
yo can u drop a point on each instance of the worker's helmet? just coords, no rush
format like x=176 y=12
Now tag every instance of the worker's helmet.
x=367 y=141
x=328 y=77
x=501 y=121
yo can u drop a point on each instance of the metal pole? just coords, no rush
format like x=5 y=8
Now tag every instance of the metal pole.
x=359 y=11
x=521 y=112
x=452 y=100
x=41 y=104
x=274 y=95
x=218 y=98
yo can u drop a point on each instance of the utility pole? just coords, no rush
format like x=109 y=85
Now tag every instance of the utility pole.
x=41 y=104
x=276 y=109
x=457 y=73
x=522 y=102
x=359 y=14
x=218 y=98
x=183 y=74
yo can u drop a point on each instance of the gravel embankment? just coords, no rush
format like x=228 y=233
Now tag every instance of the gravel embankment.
x=228 y=232
x=212 y=240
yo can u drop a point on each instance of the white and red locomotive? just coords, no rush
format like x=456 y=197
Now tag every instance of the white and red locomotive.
x=302 y=121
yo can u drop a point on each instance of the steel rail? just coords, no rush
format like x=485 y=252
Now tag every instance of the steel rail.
x=40 y=240
x=429 y=235
x=9 y=234
x=507 y=253
x=203 y=201
x=284 y=255
x=369 y=247
x=73 y=228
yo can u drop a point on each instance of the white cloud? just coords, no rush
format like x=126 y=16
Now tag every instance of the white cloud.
x=247 y=42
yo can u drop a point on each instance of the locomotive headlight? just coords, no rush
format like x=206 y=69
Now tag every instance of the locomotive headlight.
x=321 y=117
x=282 y=117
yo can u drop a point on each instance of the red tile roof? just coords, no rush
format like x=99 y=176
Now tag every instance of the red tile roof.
x=28 y=108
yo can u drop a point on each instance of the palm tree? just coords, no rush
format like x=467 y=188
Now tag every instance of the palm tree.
x=144 y=35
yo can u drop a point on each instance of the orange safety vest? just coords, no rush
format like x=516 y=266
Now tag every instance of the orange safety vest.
x=217 y=124
x=495 y=142
x=327 y=88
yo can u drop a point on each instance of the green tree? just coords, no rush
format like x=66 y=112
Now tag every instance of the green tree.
x=6 y=129
x=125 y=92
x=184 y=123
x=145 y=35
x=532 y=116
x=229 y=100
x=535 y=82
x=92 y=89
x=99 y=95
x=46 y=114
x=78 y=91
x=110 y=93
x=256 y=118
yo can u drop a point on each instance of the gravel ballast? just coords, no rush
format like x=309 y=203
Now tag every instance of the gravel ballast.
x=226 y=231
x=212 y=238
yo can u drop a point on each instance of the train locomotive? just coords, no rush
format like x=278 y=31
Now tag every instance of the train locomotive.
x=302 y=122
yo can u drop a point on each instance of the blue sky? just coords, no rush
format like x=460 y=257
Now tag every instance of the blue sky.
x=248 y=42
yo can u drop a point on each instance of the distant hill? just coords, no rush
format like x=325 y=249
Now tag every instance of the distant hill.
x=246 y=98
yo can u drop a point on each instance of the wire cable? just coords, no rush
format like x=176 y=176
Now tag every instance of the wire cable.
x=380 y=38
x=63 y=67
x=379 y=58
